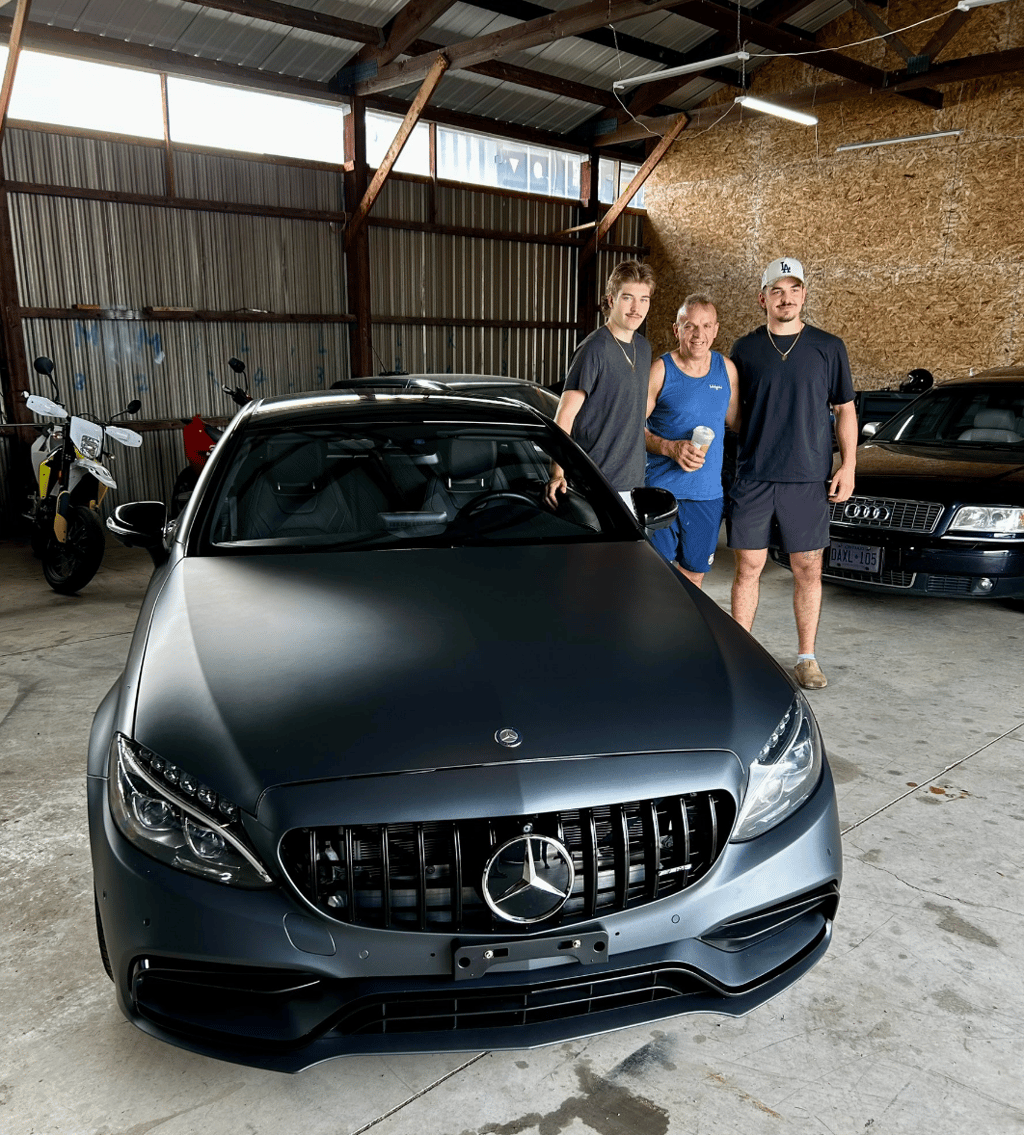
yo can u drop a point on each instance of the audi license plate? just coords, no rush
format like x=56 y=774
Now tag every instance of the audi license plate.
x=855 y=557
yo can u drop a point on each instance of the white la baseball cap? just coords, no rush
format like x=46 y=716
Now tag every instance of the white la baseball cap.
x=780 y=269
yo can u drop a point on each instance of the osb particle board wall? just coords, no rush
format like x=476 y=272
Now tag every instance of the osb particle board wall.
x=914 y=252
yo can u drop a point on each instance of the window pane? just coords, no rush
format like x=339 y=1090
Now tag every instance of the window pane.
x=614 y=177
x=626 y=174
x=208 y=114
x=380 y=133
x=72 y=92
x=484 y=160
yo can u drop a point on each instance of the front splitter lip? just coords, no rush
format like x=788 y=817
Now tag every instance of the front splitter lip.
x=309 y=1053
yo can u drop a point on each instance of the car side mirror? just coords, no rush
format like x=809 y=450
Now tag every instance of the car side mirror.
x=140 y=524
x=869 y=429
x=654 y=508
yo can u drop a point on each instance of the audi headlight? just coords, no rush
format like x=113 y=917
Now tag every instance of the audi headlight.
x=167 y=813
x=988 y=520
x=786 y=772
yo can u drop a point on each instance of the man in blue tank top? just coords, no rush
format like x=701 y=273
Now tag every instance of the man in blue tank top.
x=689 y=387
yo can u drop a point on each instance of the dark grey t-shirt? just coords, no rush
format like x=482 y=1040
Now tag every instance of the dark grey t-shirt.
x=787 y=433
x=610 y=424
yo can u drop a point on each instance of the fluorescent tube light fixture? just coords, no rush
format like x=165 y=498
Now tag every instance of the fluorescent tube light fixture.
x=751 y=103
x=967 y=5
x=685 y=69
x=894 y=141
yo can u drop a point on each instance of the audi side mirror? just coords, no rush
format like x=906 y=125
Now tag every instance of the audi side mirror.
x=869 y=429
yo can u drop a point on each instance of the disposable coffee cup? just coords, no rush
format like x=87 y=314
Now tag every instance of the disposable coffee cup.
x=702 y=437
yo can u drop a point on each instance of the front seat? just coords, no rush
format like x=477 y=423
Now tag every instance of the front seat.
x=466 y=470
x=993 y=426
x=294 y=496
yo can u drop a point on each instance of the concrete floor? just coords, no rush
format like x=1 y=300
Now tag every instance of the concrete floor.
x=912 y=1023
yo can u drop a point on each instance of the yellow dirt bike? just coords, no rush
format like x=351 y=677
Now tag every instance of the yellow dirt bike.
x=71 y=481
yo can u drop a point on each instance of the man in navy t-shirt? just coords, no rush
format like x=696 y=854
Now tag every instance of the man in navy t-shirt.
x=789 y=373
x=691 y=386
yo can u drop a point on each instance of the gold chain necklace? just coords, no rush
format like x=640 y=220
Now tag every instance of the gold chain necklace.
x=784 y=354
x=631 y=361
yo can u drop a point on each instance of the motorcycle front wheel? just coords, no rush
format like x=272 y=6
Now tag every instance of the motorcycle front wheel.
x=68 y=567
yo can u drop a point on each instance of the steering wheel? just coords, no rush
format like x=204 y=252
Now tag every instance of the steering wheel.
x=485 y=500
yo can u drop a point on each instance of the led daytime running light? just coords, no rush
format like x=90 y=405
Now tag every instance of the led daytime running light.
x=136 y=767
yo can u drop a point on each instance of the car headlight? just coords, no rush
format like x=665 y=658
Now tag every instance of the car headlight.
x=786 y=772
x=167 y=813
x=988 y=519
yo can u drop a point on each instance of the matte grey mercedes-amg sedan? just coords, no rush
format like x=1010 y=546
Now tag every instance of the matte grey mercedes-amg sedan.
x=402 y=759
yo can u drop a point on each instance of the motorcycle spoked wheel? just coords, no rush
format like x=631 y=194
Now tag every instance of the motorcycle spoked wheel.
x=68 y=567
x=40 y=537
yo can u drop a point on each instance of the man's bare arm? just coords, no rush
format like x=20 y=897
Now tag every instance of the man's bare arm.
x=733 y=419
x=569 y=406
x=841 y=488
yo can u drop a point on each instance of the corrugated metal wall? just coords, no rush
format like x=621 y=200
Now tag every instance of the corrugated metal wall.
x=473 y=294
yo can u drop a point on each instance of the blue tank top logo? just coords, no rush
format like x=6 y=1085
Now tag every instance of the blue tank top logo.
x=685 y=403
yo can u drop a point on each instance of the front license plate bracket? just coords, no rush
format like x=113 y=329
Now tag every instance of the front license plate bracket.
x=865 y=558
x=474 y=961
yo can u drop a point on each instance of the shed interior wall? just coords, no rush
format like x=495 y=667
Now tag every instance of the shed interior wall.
x=148 y=296
x=913 y=251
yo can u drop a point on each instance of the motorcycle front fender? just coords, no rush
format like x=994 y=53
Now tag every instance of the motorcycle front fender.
x=88 y=466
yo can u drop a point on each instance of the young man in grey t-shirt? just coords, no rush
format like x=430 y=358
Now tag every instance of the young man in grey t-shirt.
x=604 y=400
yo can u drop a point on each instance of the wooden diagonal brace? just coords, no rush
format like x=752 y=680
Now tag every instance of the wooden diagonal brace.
x=427 y=88
x=642 y=174
x=13 y=51
x=874 y=21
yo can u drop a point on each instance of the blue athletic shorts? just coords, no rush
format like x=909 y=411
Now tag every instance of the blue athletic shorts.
x=779 y=514
x=693 y=536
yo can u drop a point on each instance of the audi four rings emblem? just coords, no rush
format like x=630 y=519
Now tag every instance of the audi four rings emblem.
x=868 y=511
x=528 y=878
x=510 y=738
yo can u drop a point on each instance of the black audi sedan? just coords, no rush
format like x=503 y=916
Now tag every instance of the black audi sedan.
x=939 y=502
x=403 y=760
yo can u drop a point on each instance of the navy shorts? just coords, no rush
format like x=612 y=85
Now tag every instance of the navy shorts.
x=692 y=537
x=790 y=516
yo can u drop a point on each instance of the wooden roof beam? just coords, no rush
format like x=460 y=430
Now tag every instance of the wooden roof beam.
x=402 y=30
x=724 y=19
x=877 y=24
x=953 y=23
x=954 y=71
x=534 y=33
x=291 y=16
x=646 y=98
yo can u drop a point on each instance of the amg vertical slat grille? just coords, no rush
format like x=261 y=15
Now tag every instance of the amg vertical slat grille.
x=428 y=876
x=883 y=512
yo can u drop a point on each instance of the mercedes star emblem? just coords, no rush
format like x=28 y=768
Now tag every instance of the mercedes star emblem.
x=528 y=879
x=510 y=738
